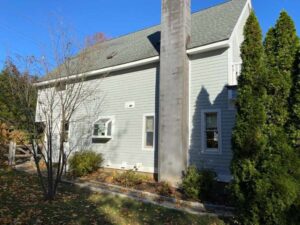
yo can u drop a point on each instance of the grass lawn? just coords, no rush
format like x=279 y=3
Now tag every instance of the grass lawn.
x=21 y=202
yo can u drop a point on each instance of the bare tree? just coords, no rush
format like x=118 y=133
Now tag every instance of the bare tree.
x=63 y=91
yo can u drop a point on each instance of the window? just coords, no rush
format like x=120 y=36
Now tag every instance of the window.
x=148 y=132
x=211 y=131
x=103 y=128
x=66 y=132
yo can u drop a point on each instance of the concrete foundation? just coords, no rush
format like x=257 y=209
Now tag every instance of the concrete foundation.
x=173 y=90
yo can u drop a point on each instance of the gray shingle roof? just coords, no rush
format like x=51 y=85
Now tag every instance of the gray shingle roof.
x=208 y=26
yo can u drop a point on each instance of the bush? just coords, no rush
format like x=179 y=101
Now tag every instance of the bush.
x=199 y=184
x=130 y=178
x=85 y=162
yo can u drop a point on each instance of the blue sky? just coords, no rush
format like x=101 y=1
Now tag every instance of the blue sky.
x=25 y=24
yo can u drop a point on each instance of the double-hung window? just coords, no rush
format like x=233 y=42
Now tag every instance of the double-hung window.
x=211 y=131
x=148 y=132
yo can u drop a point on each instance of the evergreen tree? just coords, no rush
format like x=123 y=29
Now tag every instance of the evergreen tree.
x=249 y=141
x=10 y=111
x=264 y=186
x=295 y=105
x=7 y=108
x=280 y=47
x=294 y=213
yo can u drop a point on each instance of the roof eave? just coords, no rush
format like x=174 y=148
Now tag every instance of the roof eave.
x=192 y=51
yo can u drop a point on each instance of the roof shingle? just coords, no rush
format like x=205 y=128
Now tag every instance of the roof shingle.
x=208 y=26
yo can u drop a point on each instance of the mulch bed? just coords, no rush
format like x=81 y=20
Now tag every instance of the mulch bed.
x=149 y=184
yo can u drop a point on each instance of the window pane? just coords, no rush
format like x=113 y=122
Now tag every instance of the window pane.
x=211 y=120
x=149 y=123
x=149 y=139
x=212 y=139
x=96 y=130
x=66 y=136
x=211 y=133
x=101 y=128
x=66 y=126
x=66 y=132
x=149 y=131
x=109 y=128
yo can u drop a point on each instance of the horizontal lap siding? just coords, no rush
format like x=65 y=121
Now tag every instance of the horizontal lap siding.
x=209 y=76
x=126 y=144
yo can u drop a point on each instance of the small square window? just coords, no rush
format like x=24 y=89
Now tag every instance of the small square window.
x=102 y=128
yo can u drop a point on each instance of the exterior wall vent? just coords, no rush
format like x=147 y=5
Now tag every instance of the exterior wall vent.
x=124 y=165
x=129 y=105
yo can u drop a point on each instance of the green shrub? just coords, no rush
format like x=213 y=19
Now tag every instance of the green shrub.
x=191 y=183
x=264 y=164
x=85 y=162
x=130 y=178
x=199 y=184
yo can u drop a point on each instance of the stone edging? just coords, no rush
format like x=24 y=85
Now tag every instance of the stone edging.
x=147 y=197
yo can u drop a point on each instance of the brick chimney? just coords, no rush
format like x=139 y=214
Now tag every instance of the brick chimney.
x=173 y=90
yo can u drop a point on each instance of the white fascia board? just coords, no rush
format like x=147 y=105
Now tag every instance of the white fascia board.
x=193 y=51
x=210 y=47
x=101 y=71
x=248 y=6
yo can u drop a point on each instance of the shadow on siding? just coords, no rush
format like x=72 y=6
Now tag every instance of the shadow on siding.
x=196 y=156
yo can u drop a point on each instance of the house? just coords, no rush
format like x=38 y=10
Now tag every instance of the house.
x=168 y=98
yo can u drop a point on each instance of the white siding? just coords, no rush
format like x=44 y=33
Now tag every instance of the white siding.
x=114 y=90
x=209 y=73
x=208 y=79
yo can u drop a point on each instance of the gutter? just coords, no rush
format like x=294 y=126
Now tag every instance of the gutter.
x=193 y=51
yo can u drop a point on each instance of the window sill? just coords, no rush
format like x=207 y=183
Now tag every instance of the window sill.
x=101 y=137
x=211 y=152
x=148 y=149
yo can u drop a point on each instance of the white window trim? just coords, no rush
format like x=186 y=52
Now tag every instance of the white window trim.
x=204 y=150
x=112 y=118
x=143 y=133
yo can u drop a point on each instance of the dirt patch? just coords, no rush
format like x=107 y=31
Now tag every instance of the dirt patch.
x=136 y=180
x=146 y=182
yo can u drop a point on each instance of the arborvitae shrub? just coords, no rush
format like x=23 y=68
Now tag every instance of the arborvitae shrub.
x=294 y=123
x=264 y=163
x=249 y=141
x=191 y=183
x=84 y=162
x=199 y=184
x=281 y=49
